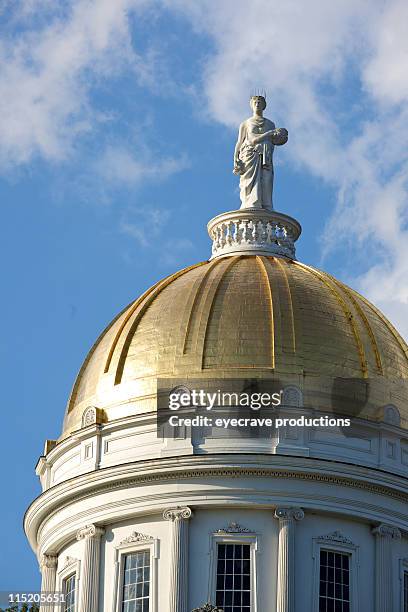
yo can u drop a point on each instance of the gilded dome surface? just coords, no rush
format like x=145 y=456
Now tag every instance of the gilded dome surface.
x=233 y=317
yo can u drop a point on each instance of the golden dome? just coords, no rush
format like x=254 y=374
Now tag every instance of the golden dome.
x=233 y=317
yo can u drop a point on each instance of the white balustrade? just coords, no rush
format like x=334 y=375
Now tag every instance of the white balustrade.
x=264 y=232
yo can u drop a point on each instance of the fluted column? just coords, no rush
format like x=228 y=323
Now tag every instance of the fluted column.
x=384 y=534
x=178 y=557
x=48 y=565
x=90 y=567
x=285 y=601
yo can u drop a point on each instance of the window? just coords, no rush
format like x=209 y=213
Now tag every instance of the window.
x=233 y=580
x=405 y=608
x=136 y=582
x=70 y=591
x=334 y=586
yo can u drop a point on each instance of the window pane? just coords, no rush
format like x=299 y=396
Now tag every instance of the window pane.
x=334 y=585
x=233 y=592
x=136 y=582
x=405 y=591
x=69 y=590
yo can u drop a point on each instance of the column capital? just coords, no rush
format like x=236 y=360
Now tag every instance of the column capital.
x=386 y=531
x=49 y=560
x=289 y=514
x=90 y=531
x=177 y=514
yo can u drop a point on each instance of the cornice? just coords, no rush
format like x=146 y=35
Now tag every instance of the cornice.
x=193 y=466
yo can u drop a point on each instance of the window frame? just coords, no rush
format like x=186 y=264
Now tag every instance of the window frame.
x=403 y=570
x=72 y=568
x=234 y=538
x=336 y=543
x=127 y=548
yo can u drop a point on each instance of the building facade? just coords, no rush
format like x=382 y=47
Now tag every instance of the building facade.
x=308 y=519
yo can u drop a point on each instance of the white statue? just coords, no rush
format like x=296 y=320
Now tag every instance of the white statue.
x=253 y=156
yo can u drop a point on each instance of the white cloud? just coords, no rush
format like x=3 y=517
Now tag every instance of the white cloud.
x=47 y=70
x=308 y=57
x=149 y=228
x=386 y=74
x=119 y=166
x=145 y=225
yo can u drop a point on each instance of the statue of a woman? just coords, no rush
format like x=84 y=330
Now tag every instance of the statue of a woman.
x=253 y=156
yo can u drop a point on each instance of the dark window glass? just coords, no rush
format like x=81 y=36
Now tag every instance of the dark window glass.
x=405 y=591
x=234 y=577
x=334 y=585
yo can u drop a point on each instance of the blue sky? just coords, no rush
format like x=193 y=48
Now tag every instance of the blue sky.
x=117 y=127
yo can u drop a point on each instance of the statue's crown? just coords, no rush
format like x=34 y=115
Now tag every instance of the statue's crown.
x=258 y=93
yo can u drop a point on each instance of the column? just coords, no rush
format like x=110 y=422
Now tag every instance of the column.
x=384 y=534
x=48 y=565
x=285 y=601
x=178 y=557
x=90 y=567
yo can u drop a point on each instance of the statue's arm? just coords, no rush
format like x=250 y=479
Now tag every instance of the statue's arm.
x=241 y=138
x=280 y=136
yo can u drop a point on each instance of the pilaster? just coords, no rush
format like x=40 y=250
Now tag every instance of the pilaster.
x=286 y=557
x=178 y=596
x=384 y=535
x=91 y=534
x=48 y=565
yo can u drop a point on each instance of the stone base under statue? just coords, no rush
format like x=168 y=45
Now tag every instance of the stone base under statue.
x=253 y=231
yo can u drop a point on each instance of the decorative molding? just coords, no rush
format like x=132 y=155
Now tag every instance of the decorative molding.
x=387 y=531
x=289 y=514
x=136 y=537
x=234 y=528
x=49 y=561
x=59 y=500
x=391 y=415
x=92 y=416
x=292 y=397
x=69 y=561
x=90 y=531
x=336 y=537
x=177 y=514
x=208 y=608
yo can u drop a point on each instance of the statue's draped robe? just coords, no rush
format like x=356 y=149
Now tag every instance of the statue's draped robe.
x=256 y=178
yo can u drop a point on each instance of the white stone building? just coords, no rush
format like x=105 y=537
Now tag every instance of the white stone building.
x=308 y=520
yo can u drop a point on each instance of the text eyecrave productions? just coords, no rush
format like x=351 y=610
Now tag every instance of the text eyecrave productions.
x=225 y=423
